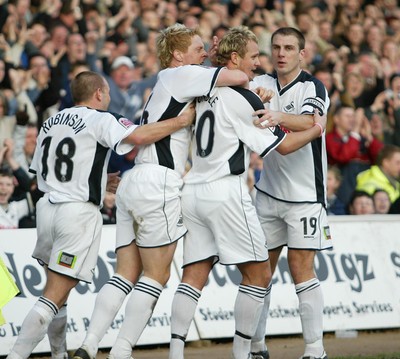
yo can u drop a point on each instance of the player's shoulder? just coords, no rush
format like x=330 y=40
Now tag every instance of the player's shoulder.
x=237 y=96
x=309 y=79
x=96 y=117
x=186 y=69
x=265 y=80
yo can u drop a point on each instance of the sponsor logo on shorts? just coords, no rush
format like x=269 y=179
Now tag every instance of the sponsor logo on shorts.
x=180 y=221
x=66 y=260
x=327 y=233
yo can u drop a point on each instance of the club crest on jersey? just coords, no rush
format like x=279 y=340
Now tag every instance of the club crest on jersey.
x=66 y=260
x=289 y=108
x=327 y=233
x=180 y=221
x=125 y=122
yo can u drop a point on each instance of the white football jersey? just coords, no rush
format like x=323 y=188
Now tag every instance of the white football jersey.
x=175 y=88
x=225 y=135
x=72 y=153
x=299 y=176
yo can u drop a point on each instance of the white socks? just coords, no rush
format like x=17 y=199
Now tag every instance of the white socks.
x=138 y=311
x=258 y=340
x=34 y=328
x=311 y=306
x=183 y=309
x=248 y=307
x=57 y=333
x=108 y=302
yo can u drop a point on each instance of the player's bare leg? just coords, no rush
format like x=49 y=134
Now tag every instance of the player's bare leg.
x=36 y=323
x=249 y=304
x=156 y=272
x=184 y=304
x=311 y=303
x=110 y=298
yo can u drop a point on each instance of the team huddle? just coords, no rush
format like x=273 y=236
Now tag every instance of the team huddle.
x=216 y=116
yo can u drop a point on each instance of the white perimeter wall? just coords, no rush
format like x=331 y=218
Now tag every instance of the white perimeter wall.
x=360 y=279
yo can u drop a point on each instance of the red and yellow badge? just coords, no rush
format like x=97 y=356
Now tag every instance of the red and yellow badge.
x=66 y=260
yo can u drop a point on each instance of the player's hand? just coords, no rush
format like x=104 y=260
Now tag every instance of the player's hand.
x=212 y=52
x=265 y=94
x=268 y=118
x=188 y=115
x=113 y=181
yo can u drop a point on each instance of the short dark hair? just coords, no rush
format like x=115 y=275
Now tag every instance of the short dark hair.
x=85 y=84
x=6 y=172
x=287 y=31
x=386 y=153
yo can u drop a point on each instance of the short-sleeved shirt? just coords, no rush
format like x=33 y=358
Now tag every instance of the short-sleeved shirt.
x=225 y=135
x=72 y=153
x=298 y=177
x=16 y=210
x=175 y=88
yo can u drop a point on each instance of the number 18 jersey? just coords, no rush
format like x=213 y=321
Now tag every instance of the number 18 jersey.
x=72 y=153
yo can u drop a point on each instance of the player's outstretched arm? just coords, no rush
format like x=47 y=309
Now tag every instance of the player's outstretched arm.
x=292 y=122
x=232 y=78
x=295 y=140
x=153 y=132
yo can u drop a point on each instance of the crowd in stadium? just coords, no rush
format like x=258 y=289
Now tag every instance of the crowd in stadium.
x=351 y=46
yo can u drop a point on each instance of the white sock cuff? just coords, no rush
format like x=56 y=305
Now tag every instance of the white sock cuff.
x=192 y=292
x=46 y=307
x=149 y=286
x=257 y=293
x=307 y=285
x=121 y=283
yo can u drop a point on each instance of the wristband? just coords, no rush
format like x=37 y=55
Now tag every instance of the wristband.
x=320 y=128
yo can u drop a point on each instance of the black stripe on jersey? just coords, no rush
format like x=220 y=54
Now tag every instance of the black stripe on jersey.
x=214 y=80
x=163 y=146
x=96 y=173
x=316 y=146
x=237 y=161
x=257 y=104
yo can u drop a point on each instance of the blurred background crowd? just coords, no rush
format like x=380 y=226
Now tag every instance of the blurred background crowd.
x=352 y=46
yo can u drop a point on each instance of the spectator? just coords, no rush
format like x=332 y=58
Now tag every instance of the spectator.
x=354 y=37
x=334 y=85
x=381 y=201
x=384 y=175
x=22 y=185
x=126 y=90
x=44 y=87
x=388 y=103
x=334 y=205
x=10 y=212
x=352 y=147
x=7 y=123
x=77 y=51
x=361 y=203
x=371 y=70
